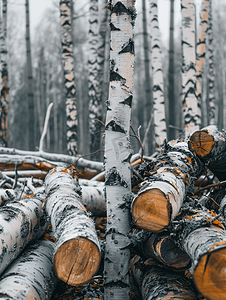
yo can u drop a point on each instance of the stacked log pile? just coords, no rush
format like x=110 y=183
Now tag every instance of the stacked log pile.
x=52 y=228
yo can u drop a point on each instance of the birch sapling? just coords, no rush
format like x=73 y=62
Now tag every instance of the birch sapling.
x=77 y=252
x=118 y=150
x=31 y=275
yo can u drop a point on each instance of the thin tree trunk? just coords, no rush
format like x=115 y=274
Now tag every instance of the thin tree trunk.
x=77 y=253
x=118 y=150
x=201 y=51
x=191 y=106
x=149 y=99
x=212 y=118
x=4 y=86
x=171 y=94
x=93 y=80
x=31 y=275
x=157 y=71
x=69 y=77
x=31 y=124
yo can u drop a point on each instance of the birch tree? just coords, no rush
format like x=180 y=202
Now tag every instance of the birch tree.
x=29 y=82
x=157 y=71
x=93 y=83
x=118 y=150
x=69 y=78
x=201 y=52
x=211 y=71
x=191 y=107
x=4 y=85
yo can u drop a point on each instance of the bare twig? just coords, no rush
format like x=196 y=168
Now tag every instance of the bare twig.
x=210 y=186
x=45 y=127
x=147 y=130
x=137 y=137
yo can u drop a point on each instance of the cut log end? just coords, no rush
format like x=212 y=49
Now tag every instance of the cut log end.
x=151 y=210
x=210 y=275
x=201 y=142
x=76 y=261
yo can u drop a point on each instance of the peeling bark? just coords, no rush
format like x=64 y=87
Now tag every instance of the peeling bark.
x=118 y=151
x=191 y=106
x=31 y=275
x=77 y=252
x=69 y=77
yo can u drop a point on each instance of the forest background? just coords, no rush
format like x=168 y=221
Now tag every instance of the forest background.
x=48 y=85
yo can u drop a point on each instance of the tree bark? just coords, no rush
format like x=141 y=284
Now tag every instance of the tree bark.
x=157 y=71
x=77 y=253
x=171 y=94
x=209 y=145
x=4 y=85
x=30 y=95
x=157 y=282
x=118 y=150
x=69 y=77
x=21 y=222
x=161 y=196
x=94 y=200
x=93 y=80
x=211 y=72
x=200 y=59
x=191 y=106
x=31 y=275
x=149 y=98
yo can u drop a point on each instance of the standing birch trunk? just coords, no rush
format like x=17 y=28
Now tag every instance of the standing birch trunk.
x=171 y=93
x=69 y=77
x=191 y=107
x=93 y=82
x=211 y=71
x=149 y=99
x=157 y=71
x=30 y=95
x=201 y=52
x=118 y=150
x=4 y=85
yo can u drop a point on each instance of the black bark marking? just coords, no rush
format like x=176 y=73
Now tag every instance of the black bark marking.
x=119 y=9
x=114 y=127
x=128 y=101
x=113 y=178
x=128 y=47
x=114 y=76
x=113 y=28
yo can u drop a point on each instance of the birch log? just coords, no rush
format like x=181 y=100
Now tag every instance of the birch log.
x=77 y=253
x=21 y=222
x=204 y=239
x=160 y=197
x=118 y=150
x=31 y=275
x=157 y=74
x=209 y=144
x=93 y=199
x=191 y=106
x=157 y=282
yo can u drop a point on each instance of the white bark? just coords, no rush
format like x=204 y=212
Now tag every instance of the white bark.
x=157 y=71
x=191 y=107
x=118 y=150
x=31 y=275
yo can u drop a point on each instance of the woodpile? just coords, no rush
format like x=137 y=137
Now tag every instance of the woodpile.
x=53 y=227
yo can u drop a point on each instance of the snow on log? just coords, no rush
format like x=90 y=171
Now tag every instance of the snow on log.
x=94 y=200
x=20 y=223
x=160 y=197
x=203 y=237
x=209 y=144
x=157 y=282
x=163 y=248
x=77 y=254
x=31 y=275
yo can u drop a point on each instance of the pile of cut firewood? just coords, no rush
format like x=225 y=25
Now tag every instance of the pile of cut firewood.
x=53 y=217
